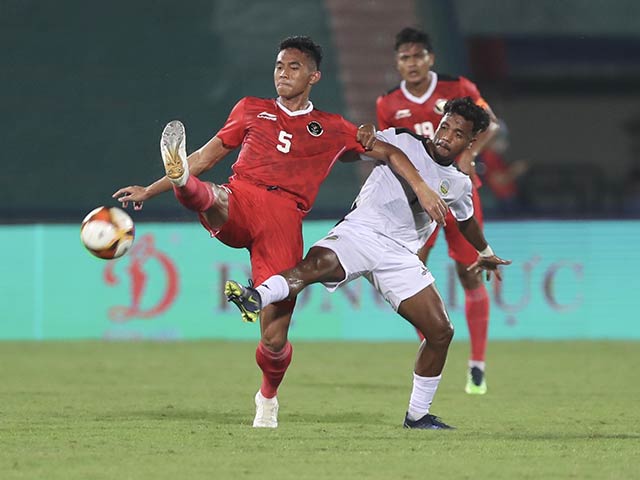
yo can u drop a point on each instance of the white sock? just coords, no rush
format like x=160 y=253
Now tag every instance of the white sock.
x=424 y=389
x=262 y=399
x=476 y=363
x=273 y=289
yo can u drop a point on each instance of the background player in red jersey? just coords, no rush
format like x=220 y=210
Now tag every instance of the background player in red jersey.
x=417 y=104
x=288 y=148
x=502 y=176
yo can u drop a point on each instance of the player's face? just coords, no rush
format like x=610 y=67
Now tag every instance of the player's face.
x=454 y=134
x=414 y=62
x=294 y=73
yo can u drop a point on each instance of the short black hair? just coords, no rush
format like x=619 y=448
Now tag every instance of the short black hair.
x=413 y=35
x=469 y=110
x=305 y=45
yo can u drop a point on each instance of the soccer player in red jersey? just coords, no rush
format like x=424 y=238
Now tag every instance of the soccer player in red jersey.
x=417 y=104
x=288 y=148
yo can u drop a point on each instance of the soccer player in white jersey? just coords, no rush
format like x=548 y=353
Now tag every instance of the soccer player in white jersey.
x=379 y=239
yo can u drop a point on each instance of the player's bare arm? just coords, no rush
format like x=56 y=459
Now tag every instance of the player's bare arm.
x=487 y=260
x=400 y=164
x=433 y=204
x=396 y=160
x=199 y=161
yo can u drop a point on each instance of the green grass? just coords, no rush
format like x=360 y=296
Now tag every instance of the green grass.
x=91 y=410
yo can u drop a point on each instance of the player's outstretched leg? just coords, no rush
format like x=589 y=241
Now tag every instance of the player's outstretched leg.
x=247 y=299
x=252 y=300
x=190 y=191
x=174 y=153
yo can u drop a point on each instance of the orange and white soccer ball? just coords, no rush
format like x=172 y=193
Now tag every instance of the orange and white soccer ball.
x=107 y=232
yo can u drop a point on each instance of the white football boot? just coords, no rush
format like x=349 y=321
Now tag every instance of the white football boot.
x=266 y=412
x=174 y=153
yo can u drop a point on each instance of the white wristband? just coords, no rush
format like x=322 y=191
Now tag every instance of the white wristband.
x=487 y=252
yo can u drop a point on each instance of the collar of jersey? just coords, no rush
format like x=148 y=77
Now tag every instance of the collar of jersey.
x=297 y=112
x=427 y=94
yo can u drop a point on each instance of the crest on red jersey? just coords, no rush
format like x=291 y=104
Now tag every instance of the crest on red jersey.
x=438 y=107
x=315 y=128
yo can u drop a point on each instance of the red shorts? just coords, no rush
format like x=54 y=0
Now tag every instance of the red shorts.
x=459 y=249
x=268 y=223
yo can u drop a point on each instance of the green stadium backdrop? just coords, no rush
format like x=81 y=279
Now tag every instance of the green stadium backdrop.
x=90 y=87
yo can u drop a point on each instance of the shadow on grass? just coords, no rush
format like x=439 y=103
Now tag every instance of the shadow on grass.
x=246 y=418
x=333 y=418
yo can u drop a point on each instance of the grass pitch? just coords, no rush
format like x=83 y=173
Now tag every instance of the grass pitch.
x=92 y=410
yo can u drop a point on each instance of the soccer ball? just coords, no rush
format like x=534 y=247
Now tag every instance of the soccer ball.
x=107 y=232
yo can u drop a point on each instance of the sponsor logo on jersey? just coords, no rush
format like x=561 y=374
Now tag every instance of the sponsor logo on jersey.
x=438 y=107
x=402 y=113
x=444 y=187
x=315 y=128
x=268 y=116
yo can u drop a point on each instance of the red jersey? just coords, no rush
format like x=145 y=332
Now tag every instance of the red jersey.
x=293 y=151
x=399 y=108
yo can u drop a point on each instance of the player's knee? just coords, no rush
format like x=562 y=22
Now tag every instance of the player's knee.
x=322 y=260
x=441 y=336
x=274 y=338
x=274 y=341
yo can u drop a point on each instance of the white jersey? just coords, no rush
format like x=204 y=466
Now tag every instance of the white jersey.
x=387 y=205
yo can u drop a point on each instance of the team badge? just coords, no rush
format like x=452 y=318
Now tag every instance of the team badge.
x=403 y=113
x=444 y=187
x=438 y=107
x=314 y=128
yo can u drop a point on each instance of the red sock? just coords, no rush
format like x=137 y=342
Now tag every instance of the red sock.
x=477 y=313
x=273 y=366
x=196 y=195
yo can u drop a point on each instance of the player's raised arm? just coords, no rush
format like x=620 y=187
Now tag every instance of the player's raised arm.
x=199 y=161
x=433 y=204
x=487 y=260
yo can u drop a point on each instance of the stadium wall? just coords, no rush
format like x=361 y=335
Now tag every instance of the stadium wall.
x=568 y=281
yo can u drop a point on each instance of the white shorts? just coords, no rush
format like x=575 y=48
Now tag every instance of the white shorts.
x=395 y=271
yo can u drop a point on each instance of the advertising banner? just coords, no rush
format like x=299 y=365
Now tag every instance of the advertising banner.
x=569 y=280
